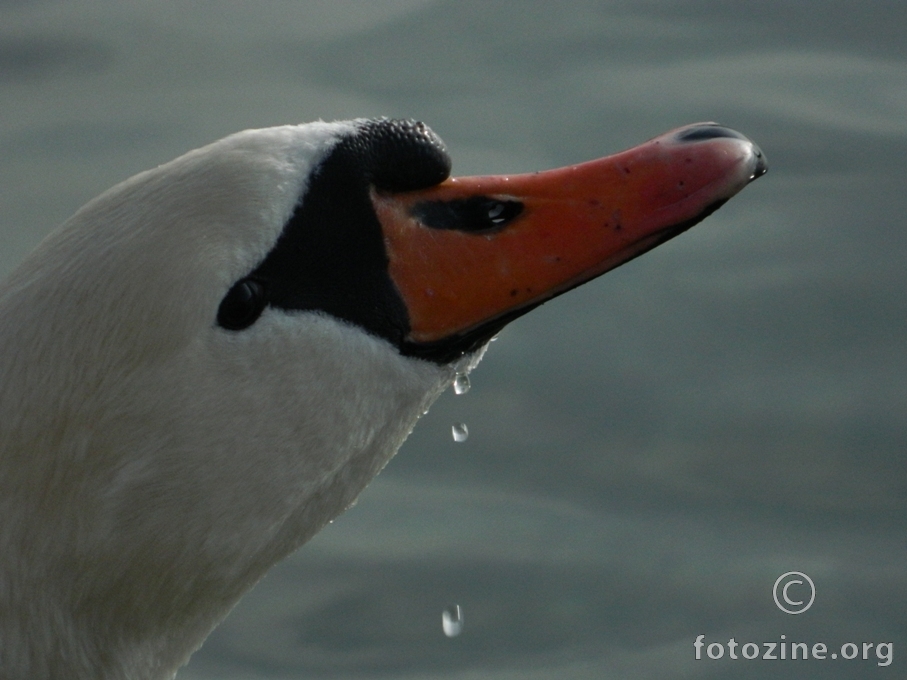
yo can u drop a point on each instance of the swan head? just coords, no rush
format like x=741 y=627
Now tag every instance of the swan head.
x=209 y=361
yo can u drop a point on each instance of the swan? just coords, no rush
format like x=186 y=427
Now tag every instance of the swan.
x=208 y=362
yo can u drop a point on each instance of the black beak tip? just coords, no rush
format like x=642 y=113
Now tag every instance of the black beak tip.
x=703 y=131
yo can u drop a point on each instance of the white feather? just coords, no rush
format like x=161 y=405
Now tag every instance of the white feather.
x=152 y=465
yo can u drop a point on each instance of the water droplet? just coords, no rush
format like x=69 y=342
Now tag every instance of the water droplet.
x=452 y=620
x=461 y=383
x=460 y=432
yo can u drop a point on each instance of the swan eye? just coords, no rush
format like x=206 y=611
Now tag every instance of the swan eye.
x=242 y=305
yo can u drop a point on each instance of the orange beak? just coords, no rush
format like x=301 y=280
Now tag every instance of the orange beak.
x=474 y=252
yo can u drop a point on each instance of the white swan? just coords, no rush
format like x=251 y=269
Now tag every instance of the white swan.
x=208 y=362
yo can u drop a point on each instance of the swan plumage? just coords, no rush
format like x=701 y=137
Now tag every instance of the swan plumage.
x=154 y=462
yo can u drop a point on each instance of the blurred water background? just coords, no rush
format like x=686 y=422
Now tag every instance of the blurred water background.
x=646 y=454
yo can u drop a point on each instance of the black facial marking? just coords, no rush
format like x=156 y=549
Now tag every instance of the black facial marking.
x=330 y=256
x=478 y=214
